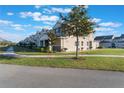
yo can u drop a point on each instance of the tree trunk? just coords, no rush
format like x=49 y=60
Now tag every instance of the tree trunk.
x=77 y=44
x=50 y=47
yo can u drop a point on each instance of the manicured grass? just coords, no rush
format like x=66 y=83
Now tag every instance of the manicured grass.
x=97 y=51
x=105 y=51
x=27 y=51
x=43 y=53
x=98 y=63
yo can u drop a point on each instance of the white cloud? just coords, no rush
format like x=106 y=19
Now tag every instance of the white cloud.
x=42 y=27
x=37 y=6
x=12 y=25
x=103 y=29
x=48 y=11
x=37 y=16
x=17 y=27
x=5 y=22
x=38 y=27
x=48 y=23
x=25 y=14
x=47 y=27
x=28 y=25
x=59 y=10
x=96 y=20
x=10 y=13
x=49 y=18
x=1 y=31
x=110 y=24
x=11 y=36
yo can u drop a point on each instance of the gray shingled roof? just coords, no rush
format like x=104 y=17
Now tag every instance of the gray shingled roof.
x=103 y=37
x=116 y=38
x=105 y=42
x=122 y=36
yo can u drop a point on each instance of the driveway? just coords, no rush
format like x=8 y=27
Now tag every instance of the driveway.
x=39 y=77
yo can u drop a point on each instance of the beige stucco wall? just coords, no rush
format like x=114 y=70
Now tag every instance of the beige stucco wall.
x=69 y=43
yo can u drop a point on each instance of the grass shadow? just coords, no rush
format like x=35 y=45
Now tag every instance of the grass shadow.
x=24 y=49
x=2 y=57
x=67 y=58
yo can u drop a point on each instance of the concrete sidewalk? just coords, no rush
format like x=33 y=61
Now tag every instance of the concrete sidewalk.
x=45 y=56
x=52 y=56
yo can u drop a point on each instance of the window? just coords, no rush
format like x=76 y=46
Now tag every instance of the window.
x=76 y=43
x=82 y=43
x=87 y=43
x=90 y=44
x=41 y=43
x=82 y=48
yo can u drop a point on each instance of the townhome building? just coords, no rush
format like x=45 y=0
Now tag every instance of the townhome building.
x=110 y=41
x=63 y=43
x=68 y=43
x=119 y=41
x=104 y=41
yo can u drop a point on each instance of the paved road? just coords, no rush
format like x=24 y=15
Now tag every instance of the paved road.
x=39 y=77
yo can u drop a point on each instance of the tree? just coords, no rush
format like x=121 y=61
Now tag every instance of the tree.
x=77 y=23
x=52 y=39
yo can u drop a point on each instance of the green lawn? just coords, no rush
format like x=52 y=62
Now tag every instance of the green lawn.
x=98 y=51
x=98 y=63
x=105 y=51
x=43 y=53
x=26 y=51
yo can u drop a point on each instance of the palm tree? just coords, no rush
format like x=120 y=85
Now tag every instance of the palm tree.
x=77 y=23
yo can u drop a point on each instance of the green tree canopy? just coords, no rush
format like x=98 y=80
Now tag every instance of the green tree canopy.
x=77 y=23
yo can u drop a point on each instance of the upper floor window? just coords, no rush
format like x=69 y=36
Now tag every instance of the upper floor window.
x=58 y=32
x=87 y=43
x=76 y=43
x=90 y=44
x=82 y=43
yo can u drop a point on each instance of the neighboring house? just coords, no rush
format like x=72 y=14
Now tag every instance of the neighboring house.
x=104 y=41
x=40 y=39
x=110 y=41
x=119 y=41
